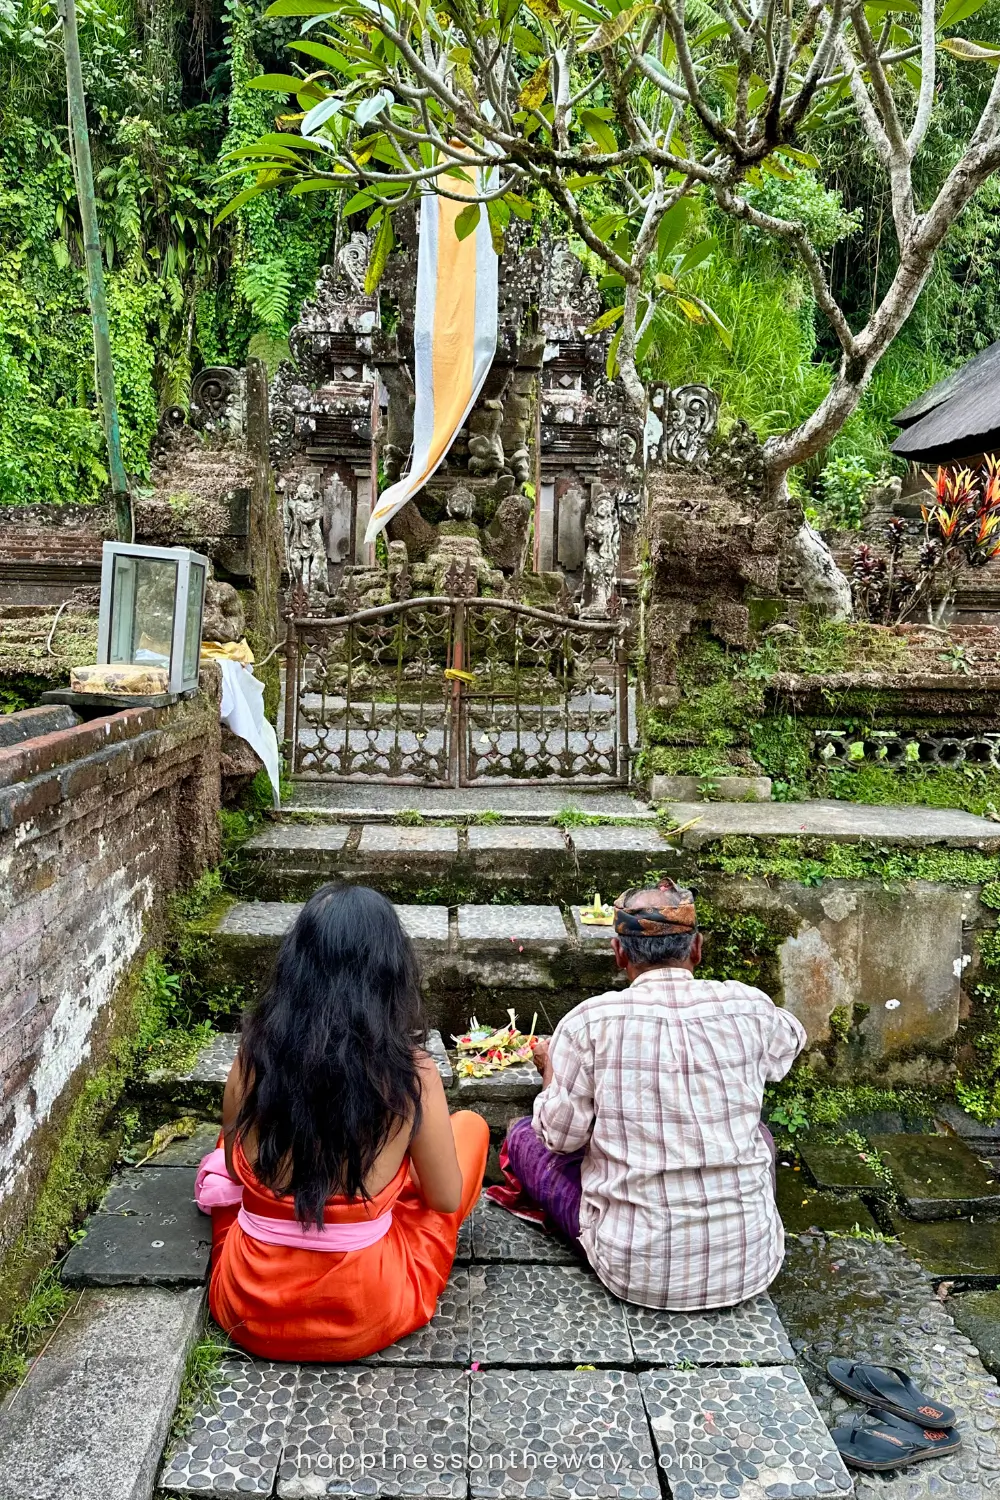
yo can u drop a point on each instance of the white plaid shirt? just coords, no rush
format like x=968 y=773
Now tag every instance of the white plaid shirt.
x=662 y=1083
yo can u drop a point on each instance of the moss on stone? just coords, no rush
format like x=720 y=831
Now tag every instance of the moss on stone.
x=811 y=861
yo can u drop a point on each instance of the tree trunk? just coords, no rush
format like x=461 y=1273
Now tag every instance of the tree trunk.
x=822 y=581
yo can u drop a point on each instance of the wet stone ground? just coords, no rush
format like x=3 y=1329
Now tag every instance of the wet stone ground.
x=869 y=1301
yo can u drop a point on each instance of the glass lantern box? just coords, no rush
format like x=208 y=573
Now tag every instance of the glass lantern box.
x=152 y=602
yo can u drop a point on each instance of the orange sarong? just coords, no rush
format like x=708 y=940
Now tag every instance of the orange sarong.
x=290 y=1304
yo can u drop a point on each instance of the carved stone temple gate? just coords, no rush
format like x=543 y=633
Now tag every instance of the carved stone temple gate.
x=457 y=691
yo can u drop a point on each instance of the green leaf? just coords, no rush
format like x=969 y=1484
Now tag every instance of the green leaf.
x=467 y=220
x=360 y=200
x=612 y=30
x=804 y=158
x=384 y=241
x=545 y=10
x=323 y=54
x=275 y=83
x=519 y=206
x=698 y=253
x=237 y=203
x=320 y=185
x=611 y=367
x=527 y=42
x=958 y=10
x=301 y=8
x=656 y=66
x=691 y=309
x=725 y=337
x=599 y=131
x=672 y=226
x=576 y=183
x=967 y=51
x=498 y=215
x=606 y=320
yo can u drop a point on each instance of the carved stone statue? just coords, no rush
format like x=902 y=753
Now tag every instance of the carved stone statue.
x=681 y=422
x=461 y=503
x=602 y=535
x=225 y=618
x=305 y=546
x=514 y=427
x=485 y=447
x=397 y=432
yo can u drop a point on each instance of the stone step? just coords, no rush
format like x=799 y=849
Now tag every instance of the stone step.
x=288 y=861
x=939 y=1177
x=197 y=1089
x=475 y=960
x=833 y=822
x=527 y=1328
x=92 y=1416
x=353 y=801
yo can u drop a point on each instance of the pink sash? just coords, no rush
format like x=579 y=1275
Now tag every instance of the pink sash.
x=214 y=1188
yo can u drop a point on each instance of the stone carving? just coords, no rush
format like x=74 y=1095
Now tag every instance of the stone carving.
x=305 y=546
x=461 y=504
x=506 y=537
x=485 y=447
x=400 y=583
x=352 y=258
x=602 y=534
x=396 y=434
x=680 y=423
x=514 y=426
x=217 y=401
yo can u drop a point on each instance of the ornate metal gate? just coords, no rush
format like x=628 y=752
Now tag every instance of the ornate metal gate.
x=457 y=692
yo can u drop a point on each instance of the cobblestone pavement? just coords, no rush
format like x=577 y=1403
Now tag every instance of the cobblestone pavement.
x=498 y=1398
x=869 y=1301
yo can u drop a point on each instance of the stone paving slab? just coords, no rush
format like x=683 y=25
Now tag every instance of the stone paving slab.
x=842 y=1298
x=545 y=840
x=516 y=1085
x=803 y=1207
x=90 y=1420
x=545 y=1315
x=519 y=924
x=839 y=1167
x=298 y=838
x=215 y=1059
x=356 y=800
x=187 y=1153
x=738 y=1434
x=426 y=925
x=953 y=1250
x=147 y=1232
x=938 y=1176
x=618 y=840
x=233 y=1444
x=837 y=822
x=376 y=840
x=750 y=1332
x=501 y=1236
x=553 y=1434
x=377 y=1431
x=442 y=1341
x=586 y=933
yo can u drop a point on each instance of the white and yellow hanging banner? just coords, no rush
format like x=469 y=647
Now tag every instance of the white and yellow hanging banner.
x=454 y=338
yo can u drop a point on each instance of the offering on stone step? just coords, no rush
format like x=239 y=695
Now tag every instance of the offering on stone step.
x=485 y=1051
x=598 y=914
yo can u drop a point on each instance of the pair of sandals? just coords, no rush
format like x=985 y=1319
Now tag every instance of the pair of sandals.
x=903 y=1427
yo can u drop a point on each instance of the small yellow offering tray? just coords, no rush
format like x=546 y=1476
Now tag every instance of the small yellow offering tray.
x=483 y=1051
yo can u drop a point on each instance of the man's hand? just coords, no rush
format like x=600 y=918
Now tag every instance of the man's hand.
x=540 y=1055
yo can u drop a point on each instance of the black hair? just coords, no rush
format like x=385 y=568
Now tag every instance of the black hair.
x=329 y=1049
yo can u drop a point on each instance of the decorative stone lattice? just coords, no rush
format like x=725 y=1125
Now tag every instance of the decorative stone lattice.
x=545 y=1315
x=234 y=1443
x=732 y=1335
x=386 y=1432
x=841 y=749
x=736 y=1433
x=557 y=1433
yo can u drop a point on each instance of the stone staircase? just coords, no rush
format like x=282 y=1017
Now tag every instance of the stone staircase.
x=532 y=1382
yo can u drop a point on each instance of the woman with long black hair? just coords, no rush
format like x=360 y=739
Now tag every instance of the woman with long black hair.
x=337 y=1203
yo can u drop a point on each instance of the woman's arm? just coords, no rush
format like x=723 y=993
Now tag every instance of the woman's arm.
x=432 y=1147
x=232 y=1099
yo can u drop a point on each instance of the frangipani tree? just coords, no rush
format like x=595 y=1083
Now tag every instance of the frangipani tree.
x=619 y=115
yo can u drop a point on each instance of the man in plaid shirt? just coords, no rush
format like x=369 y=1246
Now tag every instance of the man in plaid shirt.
x=646 y=1145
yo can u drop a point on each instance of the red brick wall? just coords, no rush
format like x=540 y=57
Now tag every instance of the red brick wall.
x=98 y=825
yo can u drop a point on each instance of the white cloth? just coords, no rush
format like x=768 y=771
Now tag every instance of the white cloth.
x=243 y=712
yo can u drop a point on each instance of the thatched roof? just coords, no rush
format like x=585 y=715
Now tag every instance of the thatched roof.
x=958 y=417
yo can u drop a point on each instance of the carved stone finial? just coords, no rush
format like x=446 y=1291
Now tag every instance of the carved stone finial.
x=680 y=423
x=461 y=503
x=601 y=530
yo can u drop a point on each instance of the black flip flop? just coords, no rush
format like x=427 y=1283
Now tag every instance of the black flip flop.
x=875 y=1443
x=888 y=1389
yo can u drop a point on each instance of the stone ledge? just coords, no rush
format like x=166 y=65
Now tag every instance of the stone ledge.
x=92 y=1416
x=835 y=822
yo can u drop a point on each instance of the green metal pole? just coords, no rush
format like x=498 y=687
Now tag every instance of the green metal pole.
x=95 y=269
